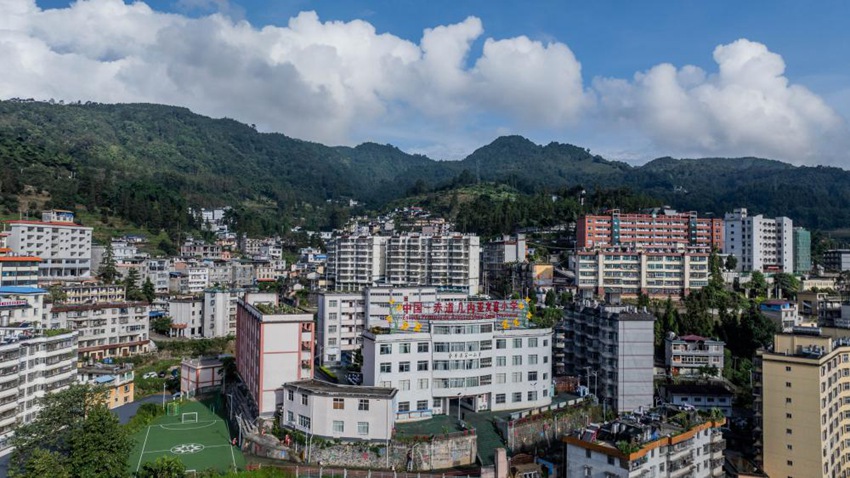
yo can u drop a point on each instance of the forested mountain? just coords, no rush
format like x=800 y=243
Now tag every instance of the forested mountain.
x=149 y=163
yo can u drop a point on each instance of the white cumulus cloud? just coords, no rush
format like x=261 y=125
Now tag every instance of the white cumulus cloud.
x=748 y=107
x=344 y=82
x=310 y=79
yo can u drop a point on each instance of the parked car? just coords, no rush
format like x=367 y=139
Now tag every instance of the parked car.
x=149 y=375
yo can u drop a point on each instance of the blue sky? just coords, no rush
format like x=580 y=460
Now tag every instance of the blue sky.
x=605 y=79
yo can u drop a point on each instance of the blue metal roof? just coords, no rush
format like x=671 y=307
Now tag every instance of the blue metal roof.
x=21 y=290
x=104 y=379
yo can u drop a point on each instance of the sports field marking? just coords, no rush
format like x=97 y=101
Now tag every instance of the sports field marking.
x=143 y=449
x=233 y=458
x=206 y=447
x=179 y=427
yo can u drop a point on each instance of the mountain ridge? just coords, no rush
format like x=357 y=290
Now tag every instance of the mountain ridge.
x=88 y=153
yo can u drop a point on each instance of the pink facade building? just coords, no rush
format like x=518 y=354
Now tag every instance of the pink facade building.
x=274 y=346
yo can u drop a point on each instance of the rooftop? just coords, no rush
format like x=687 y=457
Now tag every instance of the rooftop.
x=632 y=432
x=328 y=389
x=21 y=290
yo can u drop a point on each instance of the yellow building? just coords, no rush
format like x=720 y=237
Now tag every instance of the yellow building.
x=802 y=401
x=118 y=379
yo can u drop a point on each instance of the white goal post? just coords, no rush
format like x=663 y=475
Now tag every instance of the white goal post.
x=189 y=417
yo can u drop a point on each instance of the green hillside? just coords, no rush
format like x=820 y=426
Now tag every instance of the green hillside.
x=147 y=164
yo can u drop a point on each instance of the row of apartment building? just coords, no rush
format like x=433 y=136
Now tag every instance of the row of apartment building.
x=450 y=261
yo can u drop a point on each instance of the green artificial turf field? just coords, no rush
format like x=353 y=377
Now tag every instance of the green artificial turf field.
x=196 y=435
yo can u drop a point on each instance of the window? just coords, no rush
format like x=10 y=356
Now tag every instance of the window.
x=788 y=415
x=500 y=398
x=517 y=397
x=332 y=329
x=290 y=395
x=332 y=341
x=423 y=384
x=403 y=406
x=588 y=453
x=332 y=303
x=501 y=343
x=516 y=360
x=339 y=404
x=304 y=422
x=532 y=342
x=422 y=347
x=362 y=428
x=386 y=367
x=422 y=405
x=516 y=377
x=404 y=384
x=518 y=343
x=339 y=426
x=501 y=361
x=404 y=366
x=422 y=365
x=437 y=403
x=532 y=376
x=304 y=399
x=290 y=417
x=501 y=378
x=532 y=395
x=788 y=400
x=610 y=460
x=789 y=447
x=532 y=359
x=405 y=348
x=386 y=349
x=788 y=431
x=363 y=405
x=787 y=384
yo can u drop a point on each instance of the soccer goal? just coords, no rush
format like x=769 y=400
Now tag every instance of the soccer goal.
x=172 y=408
x=189 y=417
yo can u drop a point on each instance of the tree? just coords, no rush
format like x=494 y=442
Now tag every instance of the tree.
x=551 y=298
x=100 y=447
x=161 y=325
x=731 y=262
x=42 y=463
x=107 y=272
x=757 y=284
x=57 y=294
x=163 y=467
x=786 y=284
x=148 y=290
x=63 y=415
x=228 y=369
x=131 y=286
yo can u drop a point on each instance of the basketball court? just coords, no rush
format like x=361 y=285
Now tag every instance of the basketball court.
x=192 y=432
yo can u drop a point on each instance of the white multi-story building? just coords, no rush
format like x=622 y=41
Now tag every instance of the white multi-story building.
x=32 y=365
x=18 y=271
x=344 y=315
x=693 y=355
x=476 y=363
x=629 y=272
x=407 y=260
x=22 y=305
x=759 y=243
x=105 y=330
x=220 y=311
x=93 y=294
x=658 y=444
x=64 y=247
x=342 y=412
x=187 y=316
x=158 y=271
x=612 y=346
x=448 y=262
x=355 y=262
